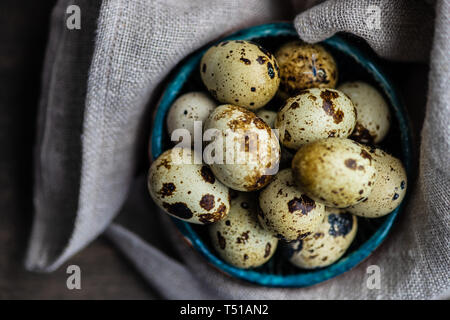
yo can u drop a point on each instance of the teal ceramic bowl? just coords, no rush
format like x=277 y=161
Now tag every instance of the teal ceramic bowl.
x=353 y=65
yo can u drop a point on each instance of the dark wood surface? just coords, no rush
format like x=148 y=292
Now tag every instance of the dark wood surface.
x=105 y=273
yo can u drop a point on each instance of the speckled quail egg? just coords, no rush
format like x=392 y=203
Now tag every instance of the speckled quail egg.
x=245 y=153
x=338 y=172
x=315 y=114
x=239 y=239
x=373 y=117
x=190 y=107
x=286 y=210
x=186 y=190
x=304 y=66
x=268 y=116
x=241 y=73
x=327 y=244
x=389 y=188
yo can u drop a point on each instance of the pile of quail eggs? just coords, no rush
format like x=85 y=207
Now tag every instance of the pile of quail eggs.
x=330 y=170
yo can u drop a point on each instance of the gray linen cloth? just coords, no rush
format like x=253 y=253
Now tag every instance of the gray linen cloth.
x=100 y=85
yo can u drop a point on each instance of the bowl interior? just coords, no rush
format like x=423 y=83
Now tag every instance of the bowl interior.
x=353 y=65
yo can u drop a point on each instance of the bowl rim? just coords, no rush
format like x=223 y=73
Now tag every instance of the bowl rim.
x=352 y=259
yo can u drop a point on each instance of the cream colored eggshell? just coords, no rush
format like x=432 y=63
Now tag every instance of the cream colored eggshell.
x=315 y=114
x=239 y=239
x=268 y=117
x=304 y=66
x=190 y=107
x=254 y=161
x=389 y=188
x=186 y=190
x=338 y=172
x=286 y=210
x=328 y=244
x=241 y=73
x=373 y=116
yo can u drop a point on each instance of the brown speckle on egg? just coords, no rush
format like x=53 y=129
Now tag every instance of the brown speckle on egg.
x=350 y=163
x=167 y=189
x=207 y=175
x=178 y=209
x=207 y=202
x=304 y=204
x=243 y=237
x=329 y=107
x=246 y=61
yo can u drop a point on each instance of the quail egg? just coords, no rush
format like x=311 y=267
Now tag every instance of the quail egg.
x=268 y=116
x=245 y=152
x=373 y=117
x=338 y=172
x=327 y=244
x=241 y=73
x=315 y=114
x=186 y=190
x=239 y=239
x=286 y=210
x=389 y=188
x=304 y=66
x=190 y=107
